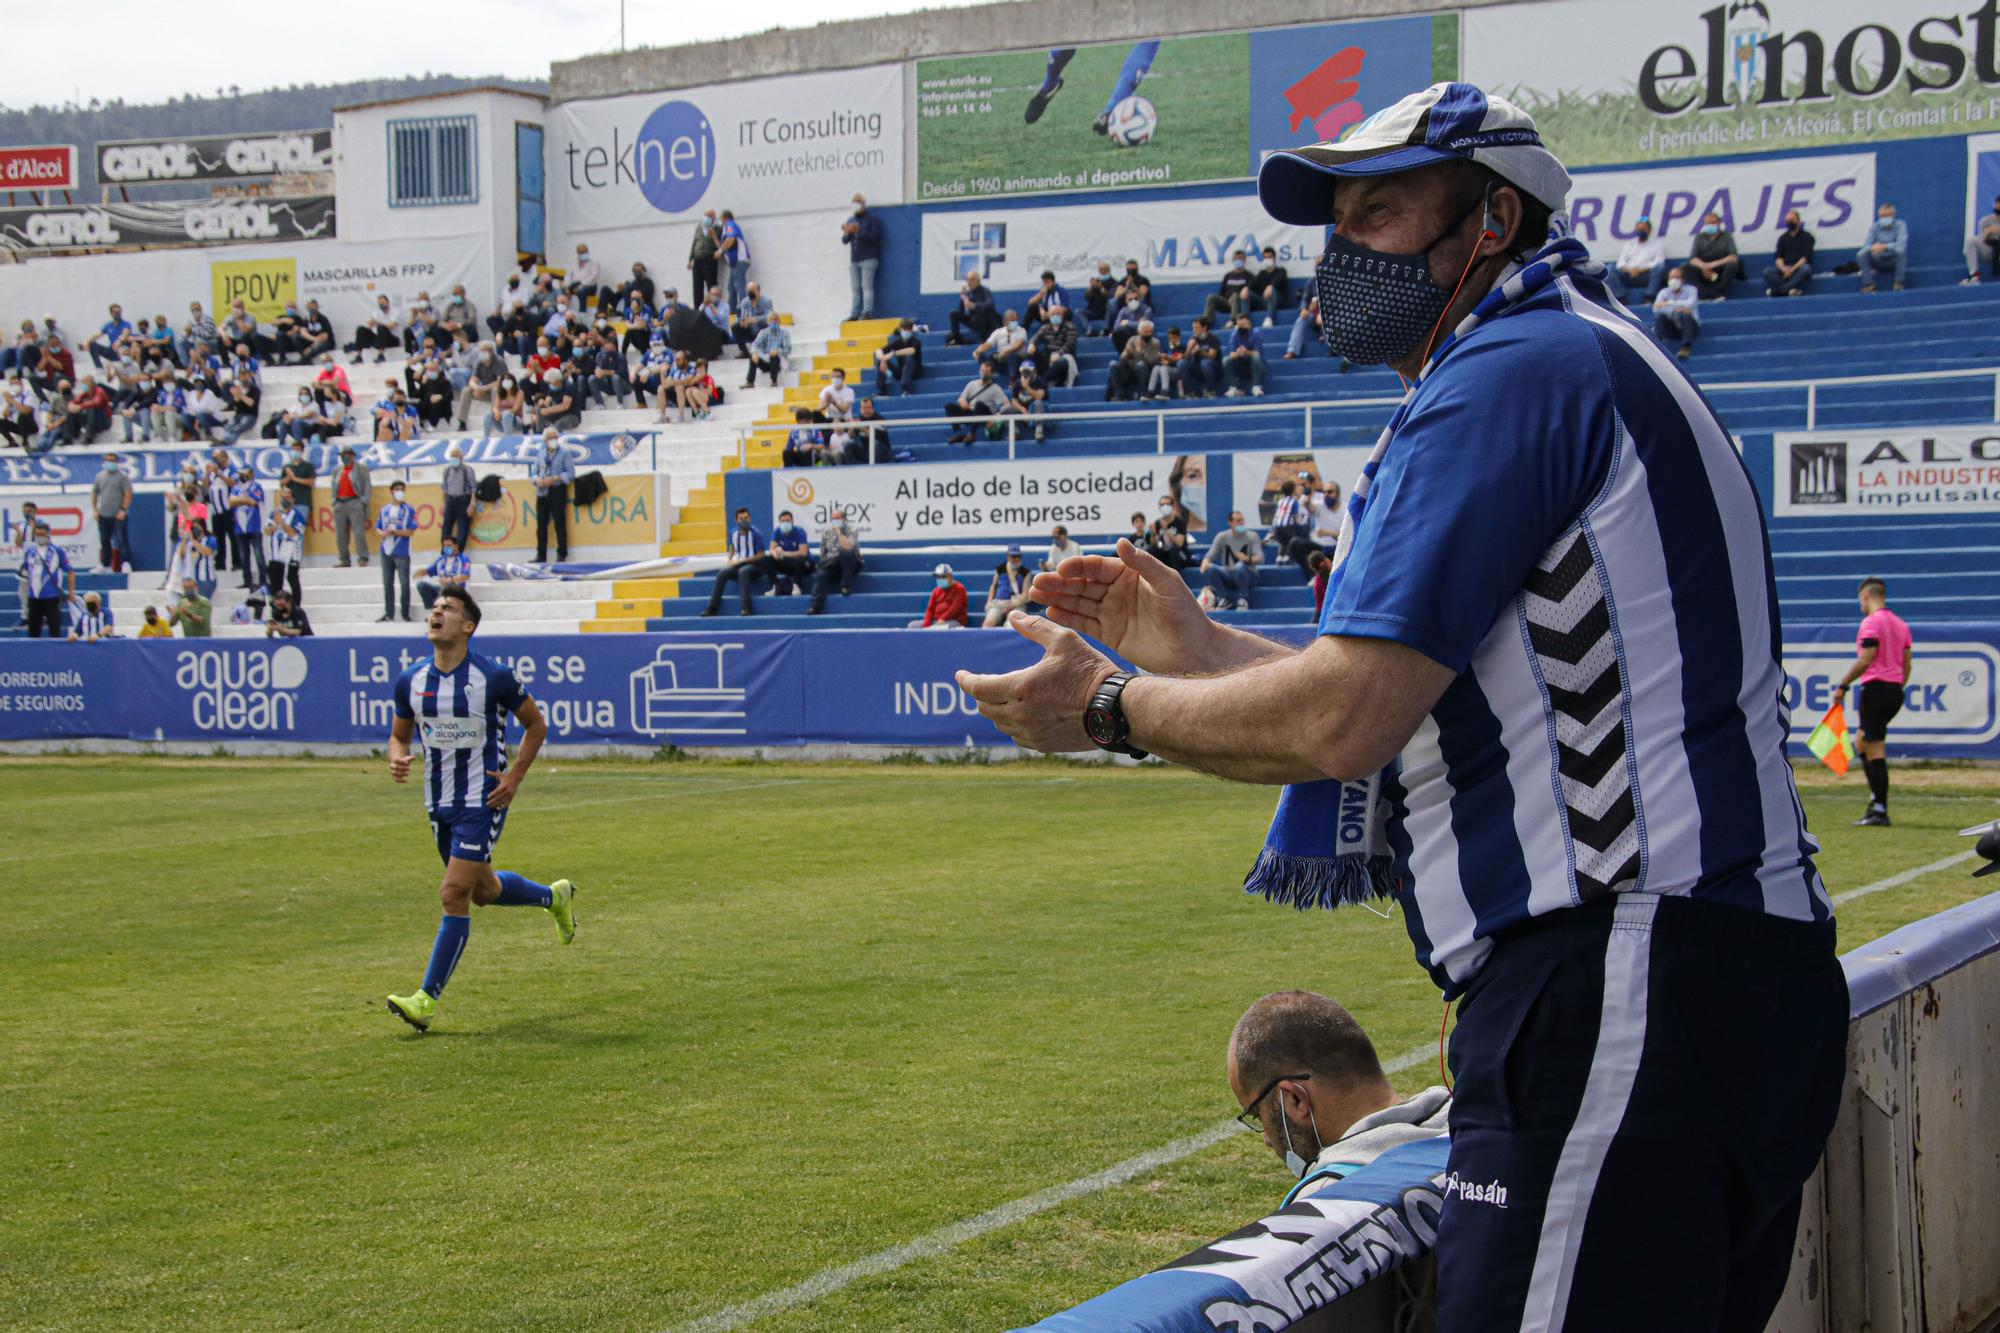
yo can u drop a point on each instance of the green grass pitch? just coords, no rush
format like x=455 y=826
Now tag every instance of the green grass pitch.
x=812 y=1012
x=1199 y=85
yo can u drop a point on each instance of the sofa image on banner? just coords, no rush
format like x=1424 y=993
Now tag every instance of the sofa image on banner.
x=684 y=691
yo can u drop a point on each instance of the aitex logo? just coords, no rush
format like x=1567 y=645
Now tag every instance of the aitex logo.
x=1949 y=699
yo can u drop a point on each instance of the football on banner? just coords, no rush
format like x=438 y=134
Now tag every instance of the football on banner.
x=1133 y=122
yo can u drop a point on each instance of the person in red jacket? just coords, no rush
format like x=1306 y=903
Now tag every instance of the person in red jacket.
x=946 y=609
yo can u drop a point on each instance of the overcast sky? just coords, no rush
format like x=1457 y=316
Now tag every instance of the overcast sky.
x=143 y=51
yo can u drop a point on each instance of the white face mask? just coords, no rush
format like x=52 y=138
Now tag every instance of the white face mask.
x=857 y=210
x=1055 y=317
x=1167 y=510
x=1673 y=284
x=1294 y=1163
x=397 y=495
x=1132 y=304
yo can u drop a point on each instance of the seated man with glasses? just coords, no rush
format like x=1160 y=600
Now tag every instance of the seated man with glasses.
x=1308 y=1080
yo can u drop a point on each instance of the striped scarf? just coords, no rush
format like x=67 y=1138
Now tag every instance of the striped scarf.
x=1328 y=842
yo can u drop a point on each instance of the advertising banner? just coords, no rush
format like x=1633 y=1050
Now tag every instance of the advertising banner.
x=886 y=687
x=213 y=157
x=1834 y=194
x=1941 y=470
x=72 y=526
x=783 y=145
x=623 y=516
x=175 y=222
x=1950 y=705
x=162 y=463
x=1184 y=240
x=1089 y=496
x=1206 y=108
x=1690 y=78
x=42 y=167
x=1257 y=475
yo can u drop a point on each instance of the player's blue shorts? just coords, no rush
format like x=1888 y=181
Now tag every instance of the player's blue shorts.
x=469 y=834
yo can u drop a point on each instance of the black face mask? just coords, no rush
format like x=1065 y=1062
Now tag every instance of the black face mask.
x=1375 y=306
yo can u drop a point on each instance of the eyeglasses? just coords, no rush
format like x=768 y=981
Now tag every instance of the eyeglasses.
x=1249 y=1117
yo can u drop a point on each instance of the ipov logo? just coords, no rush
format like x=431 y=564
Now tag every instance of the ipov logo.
x=253 y=691
x=674 y=158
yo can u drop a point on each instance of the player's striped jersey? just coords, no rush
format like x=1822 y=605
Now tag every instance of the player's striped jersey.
x=461 y=718
x=1562 y=520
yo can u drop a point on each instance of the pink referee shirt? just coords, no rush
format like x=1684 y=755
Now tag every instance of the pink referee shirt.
x=1892 y=640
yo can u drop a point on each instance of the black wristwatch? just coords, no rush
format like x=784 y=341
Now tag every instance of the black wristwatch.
x=1104 y=721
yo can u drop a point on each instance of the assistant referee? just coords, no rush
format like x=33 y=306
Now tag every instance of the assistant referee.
x=1882 y=665
x=1550 y=657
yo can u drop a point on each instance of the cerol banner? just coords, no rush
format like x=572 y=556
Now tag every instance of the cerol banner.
x=173 y=222
x=1187 y=240
x=1834 y=194
x=762 y=146
x=1942 y=470
x=1089 y=496
x=214 y=157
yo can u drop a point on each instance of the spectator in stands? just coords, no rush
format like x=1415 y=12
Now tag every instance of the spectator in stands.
x=804 y=443
x=450 y=570
x=297 y=476
x=152 y=627
x=510 y=409
x=701 y=265
x=487 y=372
x=1132 y=373
x=287 y=620
x=24 y=540
x=25 y=352
x=982 y=396
x=111 y=502
x=57 y=428
x=649 y=380
x=753 y=314
x=288 y=543
x=352 y=486
x=241 y=331
x=131 y=392
x=461 y=360
x=457 y=485
x=459 y=317
x=55 y=369
x=1270 y=287
x=839 y=559
x=1887 y=249
x=900 y=358
x=789 y=557
x=836 y=397
x=246 y=508
x=419 y=327
x=432 y=401
x=1004 y=347
x=715 y=309
x=50 y=580
x=17 y=411
x=1062 y=548
x=742 y=561
x=1243 y=363
x=1231 y=565
x=947 y=604
x=1134 y=283
x=313 y=338
x=670 y=305
x=1232 y=294
x=1097 y=305
x=93 y=623
x=396 y=524
x=1323 y=514
x=331 y=385
x=1642 y=262
x=192 y=612
x=1982 y=247
x=870 y=438
x=512 y=328
x=974 y=311
x=90 y=411
x=1012 y=580
x=395 y=415
x=641 y=285
x=1201 y=362
x=558 y=407
x=103 y=348
x=1792 y=268
x=551 y=471
x=1053 y=347
x=608 y=372
x=733 y=252
x=381 y=331
x=158 y=346
x=1677 y=314
x=1714 y=263
x=1049 y=296
x=1292 y=521
x=1028 y=396
x=1131 y=314
x=585 y=280
x=862 y=235
x=1166 y=538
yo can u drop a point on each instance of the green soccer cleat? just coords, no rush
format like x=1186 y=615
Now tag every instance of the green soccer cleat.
x=417 y=1010
x=562 y=906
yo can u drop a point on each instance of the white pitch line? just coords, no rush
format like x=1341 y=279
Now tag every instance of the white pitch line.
x=829 y=1280
x=1897 y=881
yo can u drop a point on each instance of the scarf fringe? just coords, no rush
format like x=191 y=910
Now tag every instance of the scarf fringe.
x=1326 y=882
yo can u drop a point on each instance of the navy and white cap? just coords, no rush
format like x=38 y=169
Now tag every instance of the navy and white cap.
x=1446 y=122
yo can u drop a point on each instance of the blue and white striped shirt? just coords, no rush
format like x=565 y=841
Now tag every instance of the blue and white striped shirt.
x=461 y=718
x=745 y=542
x=1291 y=512
x=201 y=562
x=43 y=567
x=393 y=515
x=1562 y=520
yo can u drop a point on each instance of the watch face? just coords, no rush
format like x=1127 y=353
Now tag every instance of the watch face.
x=1097 y=724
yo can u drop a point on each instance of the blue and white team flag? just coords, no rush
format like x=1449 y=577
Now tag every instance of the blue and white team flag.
x=1280 y=1268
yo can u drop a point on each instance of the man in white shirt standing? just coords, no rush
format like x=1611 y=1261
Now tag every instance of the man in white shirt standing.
x=1643 y=260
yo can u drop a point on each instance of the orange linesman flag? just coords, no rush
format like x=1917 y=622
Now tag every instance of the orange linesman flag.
x=1829 y=741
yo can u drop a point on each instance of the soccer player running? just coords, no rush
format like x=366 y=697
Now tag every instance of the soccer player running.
x=459 y=702
x=1882 y=664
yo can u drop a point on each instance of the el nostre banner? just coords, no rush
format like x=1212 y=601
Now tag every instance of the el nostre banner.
x=1647 y=80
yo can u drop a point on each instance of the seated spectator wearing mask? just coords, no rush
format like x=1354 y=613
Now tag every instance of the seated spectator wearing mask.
x=1642 y=262
x=1126 y=321
x=900 y=358
x=1231 y=565
x=487 y=371
x=1981 y=248
x=974 y=311
x=1166 y=539
x=981 y=397
x=1270 y=287
x=946 y=607
x=1887 y=249
x=768 y=352
x=788 y=559
x=1714 y=263
x=1233 y=294
x=1793 y=268
x=1309 y=1080
x=1050 y=295
x=1004 y=347
x=450 y=570
x=743 y=561
x=1677 y=315
x=1054 y=348
x=1012 y=581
